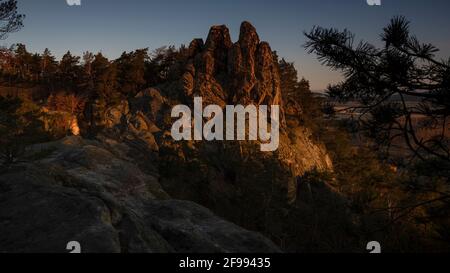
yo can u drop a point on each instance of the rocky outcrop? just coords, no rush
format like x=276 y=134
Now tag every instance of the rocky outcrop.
x=245 y=72
x=94 y=193
x=225 y=73
x=233 y=178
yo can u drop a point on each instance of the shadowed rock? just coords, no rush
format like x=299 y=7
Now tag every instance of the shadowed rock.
x=94 y=193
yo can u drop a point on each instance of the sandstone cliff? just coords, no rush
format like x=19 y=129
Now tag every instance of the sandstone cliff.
x=246 y=72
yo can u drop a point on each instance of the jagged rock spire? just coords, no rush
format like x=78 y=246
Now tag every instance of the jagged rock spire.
x=225 y=73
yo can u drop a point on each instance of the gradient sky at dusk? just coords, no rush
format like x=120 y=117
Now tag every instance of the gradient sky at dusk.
x=112 y=26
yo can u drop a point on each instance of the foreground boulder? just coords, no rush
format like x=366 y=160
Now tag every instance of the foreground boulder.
x=93 y=193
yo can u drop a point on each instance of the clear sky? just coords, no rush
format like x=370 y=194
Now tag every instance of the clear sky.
x=114 y=26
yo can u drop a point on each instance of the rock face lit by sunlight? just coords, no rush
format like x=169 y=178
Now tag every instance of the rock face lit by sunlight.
x=74 y=128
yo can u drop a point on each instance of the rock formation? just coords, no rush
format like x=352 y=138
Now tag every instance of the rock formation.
x=246 y=72
x=94 y=193
x=223 y=73
x=234 y=178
